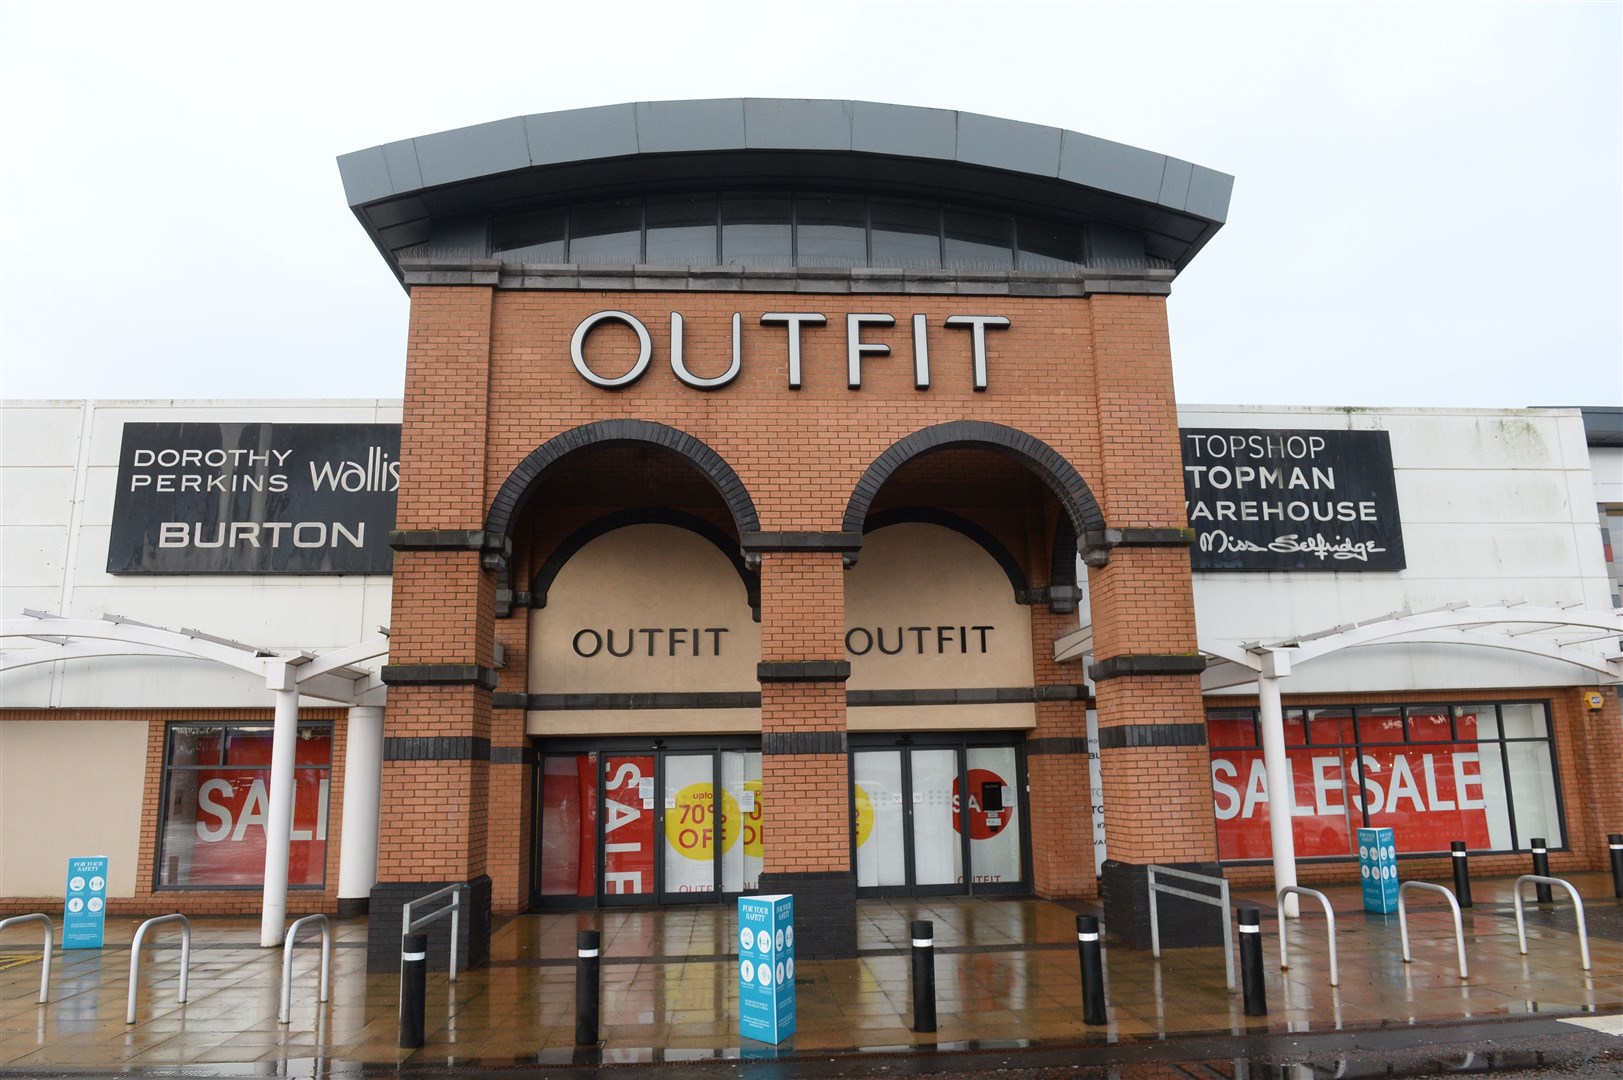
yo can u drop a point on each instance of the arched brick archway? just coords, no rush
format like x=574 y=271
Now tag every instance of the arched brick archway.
x=1042 y=460
x=515 y=490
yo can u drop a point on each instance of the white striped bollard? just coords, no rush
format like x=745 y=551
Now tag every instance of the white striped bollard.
x=413 y=988
x=1541 y=867
x=923 y=975
x=1093 y=974
x=1251 y=978
x=1462 y=873
x=587 y=948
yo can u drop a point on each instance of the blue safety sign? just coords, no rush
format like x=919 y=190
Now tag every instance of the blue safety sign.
x=1378 y=867
x=766 y=967
x=84 y=912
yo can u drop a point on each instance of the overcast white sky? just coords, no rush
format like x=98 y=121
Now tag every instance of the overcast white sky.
x=1426 y=208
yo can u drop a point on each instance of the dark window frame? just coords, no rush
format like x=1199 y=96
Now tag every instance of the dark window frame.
x=1451 y=708
x=226 y=728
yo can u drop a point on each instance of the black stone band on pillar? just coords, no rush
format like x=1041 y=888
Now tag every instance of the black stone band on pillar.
x=1114 y=538
x=1040 y=747
x=1147 y=664
x=825 y=912
x=473 y=930
x=437 y=748
x=1127 y=736
x=781 y=671
x=1124 y=894
x=439 y=675
x=803 y=742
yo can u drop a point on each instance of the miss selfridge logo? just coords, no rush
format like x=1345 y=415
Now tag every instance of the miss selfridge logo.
x=377 y=473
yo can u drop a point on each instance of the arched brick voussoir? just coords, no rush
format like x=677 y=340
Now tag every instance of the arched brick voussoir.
x=516 y=489
x=1058 y=474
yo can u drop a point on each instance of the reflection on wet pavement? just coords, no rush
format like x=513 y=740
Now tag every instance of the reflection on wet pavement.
x=1007 y=975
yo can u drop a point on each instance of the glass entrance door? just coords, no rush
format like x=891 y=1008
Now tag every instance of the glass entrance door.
x=654 y=826
x=711 y=824
x=921 y=814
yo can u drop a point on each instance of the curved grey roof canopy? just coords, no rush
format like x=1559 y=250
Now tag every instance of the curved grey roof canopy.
x=439 y=193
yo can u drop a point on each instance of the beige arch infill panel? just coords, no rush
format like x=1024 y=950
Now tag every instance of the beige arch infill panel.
x=647 y=609
x=926 y=608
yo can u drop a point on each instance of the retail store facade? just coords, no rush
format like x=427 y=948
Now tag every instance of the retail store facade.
x=748 y=456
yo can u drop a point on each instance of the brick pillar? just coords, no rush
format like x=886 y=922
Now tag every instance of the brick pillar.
x=1152 y=732
x=1061 y=824
x=804 y=767
x=512 y=775
x=436 y=749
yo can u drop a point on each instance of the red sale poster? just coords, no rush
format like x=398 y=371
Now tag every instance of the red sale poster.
x=628 y=826
x=1428 y=793
x=234 y=800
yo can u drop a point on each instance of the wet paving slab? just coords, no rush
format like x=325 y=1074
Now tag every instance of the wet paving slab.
x=1008 y=989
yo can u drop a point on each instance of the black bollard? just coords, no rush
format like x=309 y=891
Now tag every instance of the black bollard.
x=586 y=986
x=1615 y=842
x=413 y=983
x=1093 y=972
x=923 y=975
x=1462 y=873
x=1251 y=979
x=1541 y=867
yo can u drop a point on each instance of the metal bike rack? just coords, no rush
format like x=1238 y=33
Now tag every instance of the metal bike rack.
x=1403 y=922
x=411 y=926
x=135 y=957
x=1221 y=900
x=1521 y=922
x=1330 y=918
x=45 y=973
x=287 y=962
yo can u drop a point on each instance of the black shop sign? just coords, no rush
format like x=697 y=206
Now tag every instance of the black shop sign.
x=1291 y=500
x=255 y=498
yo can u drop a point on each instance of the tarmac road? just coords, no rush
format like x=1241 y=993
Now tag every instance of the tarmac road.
x=1533 y=1046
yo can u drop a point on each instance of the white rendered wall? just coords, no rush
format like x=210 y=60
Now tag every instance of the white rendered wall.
x=1497 y=506
x=58 y=472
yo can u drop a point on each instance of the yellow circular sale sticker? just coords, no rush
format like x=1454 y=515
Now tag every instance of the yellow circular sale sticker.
x=752 y=821
x=864 y=815
x=690 y=825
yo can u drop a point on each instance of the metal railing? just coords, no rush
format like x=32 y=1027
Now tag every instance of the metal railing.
x=286 y=1015
x=45 y=973
x=408 y=925
x=1221 y=900
x=1403 y=922
x=135 y=957
x=1330 y=919
x=1521 y=922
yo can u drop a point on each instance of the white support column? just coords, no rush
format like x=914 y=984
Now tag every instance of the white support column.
x=279 y=815
x=1281 y=801
x=363 y=781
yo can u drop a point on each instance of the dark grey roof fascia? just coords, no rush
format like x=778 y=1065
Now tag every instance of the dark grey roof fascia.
x=505 y=161
x=1603 y=425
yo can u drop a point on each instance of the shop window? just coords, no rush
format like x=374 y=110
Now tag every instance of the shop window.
x=1231 y=727
x=755 y=231
x=906 y=235
x=1484 y=774
x=808 y=228
x=606 y=234
x=1330 y=727
x=1384 y=725
x=1044 y=245
x=217 y=795
x=682 y=231
x=533 y=238
x=976 y=241
x=831 y=231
